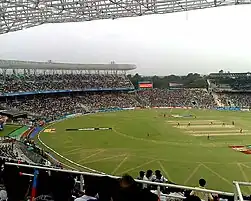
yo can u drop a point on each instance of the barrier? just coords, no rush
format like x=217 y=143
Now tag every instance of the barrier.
x=245 y=109
x=174 y=107
x=217 y=108
x=238 y=193
x=115 y=177
x=66 y=91
x=228 y=108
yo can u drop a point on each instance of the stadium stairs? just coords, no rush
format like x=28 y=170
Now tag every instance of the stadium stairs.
x=142 y=102
x=85 y=107
x=217 y=100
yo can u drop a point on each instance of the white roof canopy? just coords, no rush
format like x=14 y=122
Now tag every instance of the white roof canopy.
x=20 y=14
x=14 y=64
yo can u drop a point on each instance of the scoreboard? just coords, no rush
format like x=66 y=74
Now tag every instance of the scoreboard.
x=145 y=85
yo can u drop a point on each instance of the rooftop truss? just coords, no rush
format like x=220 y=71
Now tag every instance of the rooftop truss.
x=14 y=64
x=20 y=14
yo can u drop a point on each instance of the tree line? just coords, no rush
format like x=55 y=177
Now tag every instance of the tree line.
x=191 y=80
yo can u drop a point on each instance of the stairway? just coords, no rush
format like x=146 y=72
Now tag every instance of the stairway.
x=85 y=107
x=217 y=100
x=141 y=101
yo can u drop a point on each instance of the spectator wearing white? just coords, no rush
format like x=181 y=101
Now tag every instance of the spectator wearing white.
x=90 y=194
x=202 y=195
x=141 y=175
x=3 y=195
x=148 y=177
x=158 y=177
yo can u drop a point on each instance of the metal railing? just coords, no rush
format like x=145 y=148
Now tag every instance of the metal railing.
x=238 y=193
x=138 y=181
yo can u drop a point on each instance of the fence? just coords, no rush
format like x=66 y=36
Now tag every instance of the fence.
x=238 y=193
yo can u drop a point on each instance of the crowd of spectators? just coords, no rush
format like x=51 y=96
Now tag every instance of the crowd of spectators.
x=43 y=82
x=112 y=100
x=236 y=99
x=53 y=107
x=62 y=186
x=47 y=107
x=15 y=150
x=7 y=150
x=178 y=98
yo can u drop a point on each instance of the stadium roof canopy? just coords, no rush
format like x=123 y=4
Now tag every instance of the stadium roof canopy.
x=14 y=64
x=20 y=14
x=13 y=114
x=229 y=75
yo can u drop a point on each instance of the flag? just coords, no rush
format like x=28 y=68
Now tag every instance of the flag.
x=34 y=186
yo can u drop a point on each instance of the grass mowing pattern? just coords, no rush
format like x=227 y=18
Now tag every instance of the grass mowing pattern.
x=18 y=132
x=8 y=129
x=181 y=156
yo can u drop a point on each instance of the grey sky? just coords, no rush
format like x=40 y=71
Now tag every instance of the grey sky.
x=200 y=41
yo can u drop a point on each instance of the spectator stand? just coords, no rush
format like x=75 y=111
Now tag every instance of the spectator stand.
x=27 y=78
x=180 y=97
x=70 y=87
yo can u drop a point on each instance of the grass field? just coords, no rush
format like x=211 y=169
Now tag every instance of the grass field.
x=8 y=129
x=183 y=153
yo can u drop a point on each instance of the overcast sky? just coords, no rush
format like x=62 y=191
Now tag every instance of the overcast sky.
x=200 y=41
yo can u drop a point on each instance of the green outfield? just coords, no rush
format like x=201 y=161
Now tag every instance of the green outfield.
x=8 y=129
x=145 y=139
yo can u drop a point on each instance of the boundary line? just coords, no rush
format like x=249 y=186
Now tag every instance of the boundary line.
x=55 y=152
x=68 y=160
x=122 y=134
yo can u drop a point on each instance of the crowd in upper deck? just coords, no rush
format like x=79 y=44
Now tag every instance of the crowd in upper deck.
x=25 y=83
